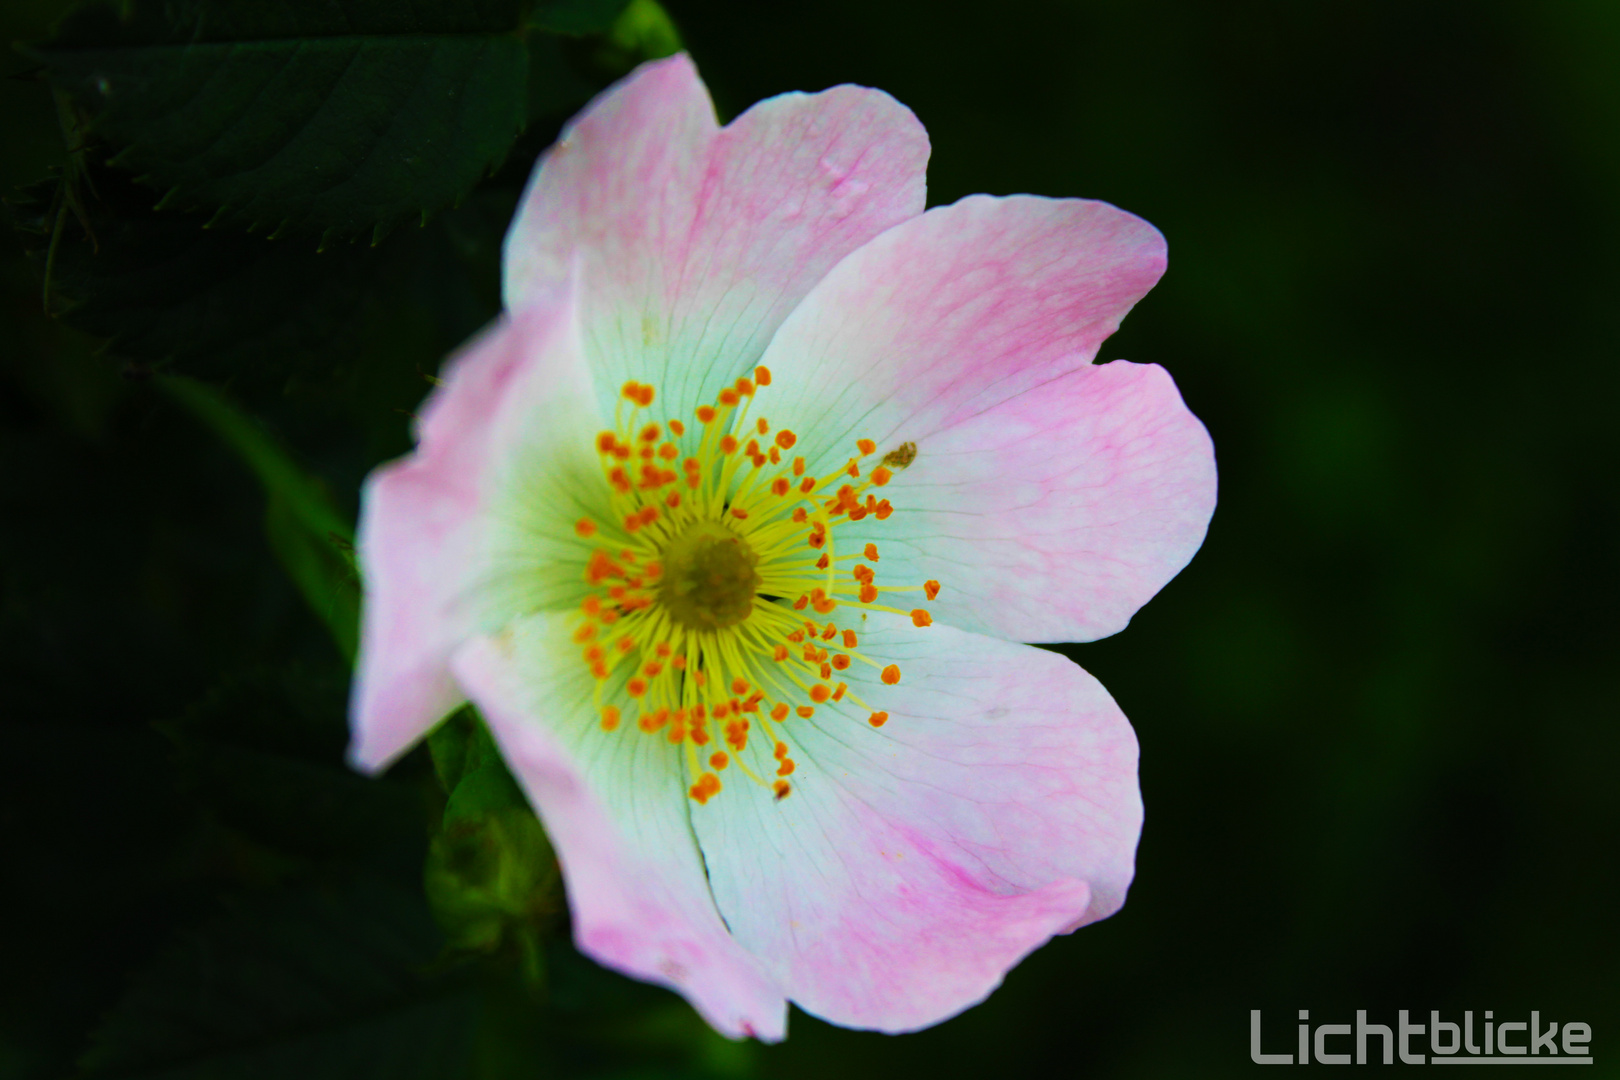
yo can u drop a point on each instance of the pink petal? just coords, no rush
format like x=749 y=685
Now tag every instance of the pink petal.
x=1056 y=514
x=435 y=565
x=1052 y=498
x=615 y=807
x=914 y=864
x=696 y=242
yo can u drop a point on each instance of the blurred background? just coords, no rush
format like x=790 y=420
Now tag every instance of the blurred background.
x=1377 y=712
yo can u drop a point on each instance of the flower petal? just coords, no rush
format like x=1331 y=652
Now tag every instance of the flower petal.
x=914 y=864
x=615 y=807
x=1055 y=515
x=1051 y=497
x=696 y=242
x=450 y=542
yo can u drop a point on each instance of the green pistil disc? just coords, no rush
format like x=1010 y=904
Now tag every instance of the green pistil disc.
x=709 y=578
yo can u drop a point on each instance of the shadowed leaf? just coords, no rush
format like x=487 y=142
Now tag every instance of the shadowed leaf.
x=331 y=118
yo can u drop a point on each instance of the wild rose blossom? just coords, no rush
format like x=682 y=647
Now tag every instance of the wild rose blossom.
x=729 y=527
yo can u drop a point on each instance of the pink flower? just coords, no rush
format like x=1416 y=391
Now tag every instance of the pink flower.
x=730 y=525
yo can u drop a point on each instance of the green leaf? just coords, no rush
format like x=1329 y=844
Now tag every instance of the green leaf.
x=313 y=541
x=162 y=288
x=337 y=118
x=576 y=16
x=309 y=983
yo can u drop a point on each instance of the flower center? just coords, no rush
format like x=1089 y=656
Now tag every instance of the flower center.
x=709 y=578
x=706 y=578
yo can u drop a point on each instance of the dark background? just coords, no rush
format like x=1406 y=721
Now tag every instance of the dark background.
x=1377 y=712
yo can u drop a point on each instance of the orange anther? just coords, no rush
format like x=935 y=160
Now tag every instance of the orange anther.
x=631 y=391
x=739 y=686
x=779 y=712
x=591 y=606
x=706 y=788
x=840 y=662
x=779 y=751
x=678 y=663
x=786 y=768
x=676 y=427
x=838 y=694
x=850 y=640
x=807 y=485
x=669 y=451
x=881 y=475
x=868 y=593
x=780 y=486
x=865 y=446
x=780 y=653
x=705 y=414
x=672 y=500
x=798 y=465
x=718 y=760
x=605 y=442
x=739 y=513
x=883 y=510
x=610 y=717
x=651 y=432
x=762 y=426
x=919 y=617
x=785 y=439
x=652 y=669
x=762 y=375
x=776 y=455
x=822 y=563
x=826 y=606
x=805 y=711
x=799 y=516
x=826 y=670
x=853 y=469
x=636 y=687
x=878 y=719
x=783 y=789
x=871 y=553
x=745 y=386
x=830 y=632
x=644 y=396
x=931 y=588
x=585 y=633
x=728 y=397
x=863 y=574
x=800 y=603
x=820 y=693
x=891 y=674
x=727 y=444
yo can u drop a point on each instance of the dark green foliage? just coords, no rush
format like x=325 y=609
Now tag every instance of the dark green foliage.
x=160 y=287
x=332 y=118
x=575 y=16
x=315 y=982
x=264 y=753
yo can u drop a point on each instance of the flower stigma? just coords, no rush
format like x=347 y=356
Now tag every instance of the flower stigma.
x=715 y=582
